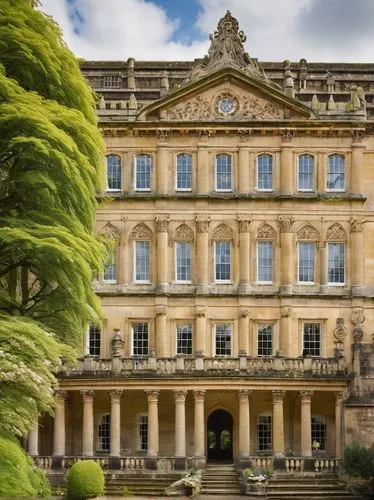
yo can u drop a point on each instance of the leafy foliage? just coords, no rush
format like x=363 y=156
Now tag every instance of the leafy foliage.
x=85 y=480
x=18 y=476
x=358 y=461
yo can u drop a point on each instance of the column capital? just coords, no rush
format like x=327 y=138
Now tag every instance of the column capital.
x=115 y=395
x=244 y=221
x=202 y=223
x=306 y=396
x=286 y=136
x=338 y=396
x=180 y=396
x=200 y=311
x=243 y=312
x=243 y=395
x=87 y=395
x=60 y=394
x=278 y=396
x=152 y=396
x=199 y=395
x=285 y=224
x=357 y=224
x=162 y=223
x=161 y=310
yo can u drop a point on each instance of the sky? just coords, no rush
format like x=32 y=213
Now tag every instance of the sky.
x=317 y=30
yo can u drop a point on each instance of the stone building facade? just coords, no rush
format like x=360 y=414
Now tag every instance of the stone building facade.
x=239 y=298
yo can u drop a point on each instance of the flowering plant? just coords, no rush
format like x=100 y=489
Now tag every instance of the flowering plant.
x=316 y=445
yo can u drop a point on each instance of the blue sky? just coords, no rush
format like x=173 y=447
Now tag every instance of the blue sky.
x=317 y=30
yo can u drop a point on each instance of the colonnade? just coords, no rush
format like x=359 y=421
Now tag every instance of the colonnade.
x=199 y=431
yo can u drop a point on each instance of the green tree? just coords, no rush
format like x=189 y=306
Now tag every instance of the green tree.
x=51 y=169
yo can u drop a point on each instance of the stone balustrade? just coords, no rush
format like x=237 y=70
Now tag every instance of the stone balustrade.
x=209 y=366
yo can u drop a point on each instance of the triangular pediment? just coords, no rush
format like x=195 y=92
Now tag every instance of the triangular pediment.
x=249 y=98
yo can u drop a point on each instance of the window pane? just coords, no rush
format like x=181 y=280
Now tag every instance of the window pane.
x=335 y=172
x=143 y=432
x=319 y=432
x=312 y=339
x=142 y=261
x=306 y=262
x=222 y=260
x=110 y=271
x=264 y=431
x=143 y=172
x=223 y=172
x=104 y=433
x=112 y=81
x=265 y=340
x=223 y=340
x=94 y=340
x=183 y=250
x=306 y=168
x=140 y=339
x=184 y=171
x=265 y=261
x=335 y=263
x=265 y=172
x=113 y=169
x=184 y=339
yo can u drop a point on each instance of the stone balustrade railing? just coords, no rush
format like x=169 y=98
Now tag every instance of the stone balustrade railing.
x=244 y=365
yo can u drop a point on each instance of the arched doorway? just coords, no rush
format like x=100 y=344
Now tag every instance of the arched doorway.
x=219 y=434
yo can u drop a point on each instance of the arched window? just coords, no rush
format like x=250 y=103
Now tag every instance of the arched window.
x=143 y=172
x=265 y=172
x=184 y=172
x=113 y=172
x=305 y=172
x=223 y=173
x=94 y=340
x=335 y=173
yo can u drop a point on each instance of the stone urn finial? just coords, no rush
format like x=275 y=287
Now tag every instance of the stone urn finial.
x=117 y=344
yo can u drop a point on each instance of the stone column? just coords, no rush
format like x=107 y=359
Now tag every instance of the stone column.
x=162 y=253
x=88 y=424
x=162 y=169
x=285 y=332
x=203 y=167
x=152 y=451
x=338 y=424
x=199 y=427
x=357 y=258
x=244 y=251
x=115 y=423
x=59 y=425
x=202 y=226
x=286 y=163
x=180 y=429
x=161 y=311
x=306 y=423
x=243 y=331
x=357 y=168
x=244 y=425
x=33 y=441
x=278 y=423
x=86 y=341
x=244 y=170
x=200 y=331
x=286 y=239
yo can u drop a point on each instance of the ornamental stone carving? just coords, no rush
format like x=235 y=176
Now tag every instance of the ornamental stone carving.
x=141 y=232
x=243 y=312
x=162 y=223
x=199 y=395
x=244 y=222
x=222 y=232
x=115 y=395
x=255 y=108
x=163 y=134
x=306 y=396
x=202 y=223
x=243 y=395
x=180 y=396
x=278 y=396
x=200 y=311
x=340 y=331
x=357 y=319
x=358 y=135
x=286 y=135
x=184 y=233
x=285 y=224
x=111 y=231
x=195 y=109
x=152 y=396
x=357 y=225
x=161 y=310
x=117 y=344
x=335 y=233
x=285 y=311
x=308 y=232
x=266 y=232
x=244 y=134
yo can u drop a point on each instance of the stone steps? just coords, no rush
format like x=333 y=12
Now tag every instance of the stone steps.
x=220 y=480
x=139 y=484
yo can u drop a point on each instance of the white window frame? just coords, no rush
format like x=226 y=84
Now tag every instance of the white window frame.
x=333 y=283
x=226 y=190
x=265 y=190
x=259 y=282
x=113 y=262
x=176 y=263
x=264 y=324
x=269 y=450
x=99 y=333
x=322 y=418
x=138 y=437
x=222 y=282
x=321 y=341
x=176 y=172
x=214 y=350
x=183 y=323
x=338 y=190
x=99 y=417
x=112 y=78
x=298 y=263
x=137 y=322
x=149 y=262
x=136 y=188
x=304 y=190
x=113 y=190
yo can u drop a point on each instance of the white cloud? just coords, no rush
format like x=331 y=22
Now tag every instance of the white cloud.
x=275 y=29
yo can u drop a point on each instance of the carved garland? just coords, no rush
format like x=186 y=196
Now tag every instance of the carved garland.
x=336 y=233
x=184 y=233
x=222 y=232
x=141 y=232
x=266 y=232
x=110 y=231
x=308 y=232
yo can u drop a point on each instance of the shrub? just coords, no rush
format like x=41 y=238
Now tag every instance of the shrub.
x=85 y=480
x=358 y=461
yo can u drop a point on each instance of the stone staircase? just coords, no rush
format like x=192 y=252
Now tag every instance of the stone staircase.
x=312 y=486
x=144 y=484
x=220 y=480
